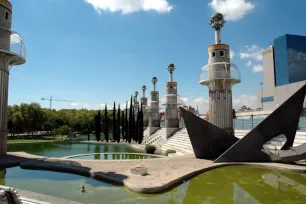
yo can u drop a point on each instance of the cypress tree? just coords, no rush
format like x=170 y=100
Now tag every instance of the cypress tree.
x=133 y=123
x=126 y=122
x=118 y=125
x=114 y=122
x=141 y=126
x=137 y=126
x=106 y=124
x=130 y=135
x=123 y=125
x=98 y=126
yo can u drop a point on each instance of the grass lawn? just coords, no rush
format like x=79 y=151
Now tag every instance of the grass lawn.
x=40 y=140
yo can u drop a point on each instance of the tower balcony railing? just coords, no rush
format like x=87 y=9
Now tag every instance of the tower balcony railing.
x=230 y=72
x=16 y=45
x=172 y=99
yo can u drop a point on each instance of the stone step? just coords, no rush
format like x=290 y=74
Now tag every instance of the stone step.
x=176 y=147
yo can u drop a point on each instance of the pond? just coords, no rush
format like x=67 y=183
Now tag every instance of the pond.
x=67 y=149
x=238 y=184
x=115 y=156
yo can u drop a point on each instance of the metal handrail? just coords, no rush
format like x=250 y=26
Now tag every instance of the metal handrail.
x=208 y=73
x=16 y=45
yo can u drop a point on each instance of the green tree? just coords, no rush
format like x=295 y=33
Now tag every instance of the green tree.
x=63 y=130
x=114 y=123
x=106 y=124
x=118 y=125
x=130 y=135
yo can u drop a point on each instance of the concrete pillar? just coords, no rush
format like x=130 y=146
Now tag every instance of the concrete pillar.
x=154 y=120
x=4 y=79
x=171 y=113
x=8 y=58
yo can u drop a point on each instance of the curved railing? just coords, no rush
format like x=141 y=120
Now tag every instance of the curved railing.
x=172 y=99
x=230 y=72
x=14 y=45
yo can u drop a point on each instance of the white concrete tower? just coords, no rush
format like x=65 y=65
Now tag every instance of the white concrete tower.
x=144 y=102
x=220 y=76
x=154 y=116
x=171 y=103
x=12 y=52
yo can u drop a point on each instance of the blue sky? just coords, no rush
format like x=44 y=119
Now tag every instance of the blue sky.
x=96 y=51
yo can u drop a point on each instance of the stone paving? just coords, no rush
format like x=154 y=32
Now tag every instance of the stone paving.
x=163 y=173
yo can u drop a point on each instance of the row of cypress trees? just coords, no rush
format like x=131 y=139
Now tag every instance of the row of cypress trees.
x=131 y=127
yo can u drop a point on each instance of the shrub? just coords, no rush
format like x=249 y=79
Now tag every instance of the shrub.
x=170 y=151
x=63 y=130
x=150 y=149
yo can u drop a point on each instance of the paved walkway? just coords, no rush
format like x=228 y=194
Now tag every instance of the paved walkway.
x=164 y=173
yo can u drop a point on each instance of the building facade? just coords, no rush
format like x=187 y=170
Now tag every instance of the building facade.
x=284 y=65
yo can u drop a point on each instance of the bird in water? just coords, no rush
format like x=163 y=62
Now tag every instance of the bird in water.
x=83 y=189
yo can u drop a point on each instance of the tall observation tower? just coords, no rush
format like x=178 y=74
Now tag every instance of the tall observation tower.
x=171 y=103
x=12 y=52
x=144 y=102
x=136 y=103
x=220 y=76
x=154 y=116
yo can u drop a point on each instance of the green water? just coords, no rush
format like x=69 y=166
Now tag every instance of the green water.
x=68 y=149
x=235 y=185
x=114 y=157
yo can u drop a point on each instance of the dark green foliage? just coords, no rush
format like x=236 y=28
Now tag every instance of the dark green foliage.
x=141 y=124
x=106 y=124
x=137 y=126
x=63 y=130
x=133 y=123
x=126 y=122
x=118 y=125
x=130 y=130
x=123 y=125
x=98 y=126
x=170 y=151
x=150 y=149
x=114 y=123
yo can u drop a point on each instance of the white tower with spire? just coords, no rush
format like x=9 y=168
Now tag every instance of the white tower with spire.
x=220 y=76
x=12 y=52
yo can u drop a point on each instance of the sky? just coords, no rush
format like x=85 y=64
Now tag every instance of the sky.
x=95 y=52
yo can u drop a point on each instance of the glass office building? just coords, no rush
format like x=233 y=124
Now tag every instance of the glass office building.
x=289 y=59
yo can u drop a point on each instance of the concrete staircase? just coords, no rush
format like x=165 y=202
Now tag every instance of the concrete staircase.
x=157 y=139
x=180 y=142
x=276 y=143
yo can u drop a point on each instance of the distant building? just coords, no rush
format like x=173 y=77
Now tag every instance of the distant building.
x=190 y=108
x=284 y=65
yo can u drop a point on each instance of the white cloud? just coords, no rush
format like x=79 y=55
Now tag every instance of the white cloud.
x=130 y=6
x=233 y=10
x=245 y=100
x=249 y=63
x=254 y=52
x=257 y=68
x=232 y=54
x=75 y=104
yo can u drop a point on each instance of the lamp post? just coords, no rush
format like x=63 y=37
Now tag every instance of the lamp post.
x=261 y=84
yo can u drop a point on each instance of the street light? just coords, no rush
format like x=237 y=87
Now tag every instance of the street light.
x=261 y=84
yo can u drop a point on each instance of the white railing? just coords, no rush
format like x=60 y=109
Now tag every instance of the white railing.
x=172 y=99
x=15 y=44
x=231 y=71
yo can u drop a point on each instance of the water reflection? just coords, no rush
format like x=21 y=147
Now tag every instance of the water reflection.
x=278 y=181
x=234 y=185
